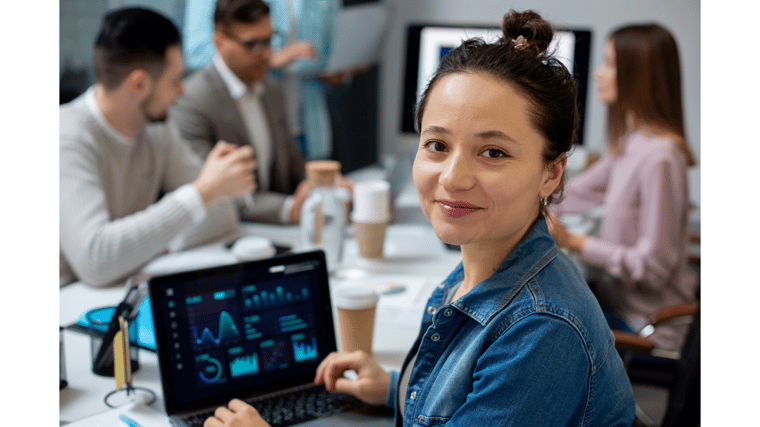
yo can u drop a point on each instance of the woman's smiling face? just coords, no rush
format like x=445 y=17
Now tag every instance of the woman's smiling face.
x=479 y=169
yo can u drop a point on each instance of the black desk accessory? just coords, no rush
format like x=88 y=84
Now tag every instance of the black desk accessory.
x=61 y=359
x=102 y=363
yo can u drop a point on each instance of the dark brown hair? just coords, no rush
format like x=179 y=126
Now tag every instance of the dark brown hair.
x=243 y=11
x=648 y=84
x=521 y=58
x=129 y=39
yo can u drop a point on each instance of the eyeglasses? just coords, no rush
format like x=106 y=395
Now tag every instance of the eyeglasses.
x=253 y=45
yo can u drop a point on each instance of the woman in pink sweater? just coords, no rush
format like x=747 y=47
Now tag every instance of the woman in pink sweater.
x=641 y=250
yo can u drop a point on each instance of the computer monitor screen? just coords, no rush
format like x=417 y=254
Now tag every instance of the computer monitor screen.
x=428 y=43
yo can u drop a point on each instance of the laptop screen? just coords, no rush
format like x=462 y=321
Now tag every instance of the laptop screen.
x=241 y=330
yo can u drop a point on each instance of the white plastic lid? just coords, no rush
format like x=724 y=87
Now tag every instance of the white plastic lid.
x=353 y=297
x=372 y=202
x=251 y=248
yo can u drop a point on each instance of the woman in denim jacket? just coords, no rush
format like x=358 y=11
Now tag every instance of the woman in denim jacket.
x=513 y=337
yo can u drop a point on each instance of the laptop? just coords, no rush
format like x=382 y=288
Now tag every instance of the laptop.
x=255 y=331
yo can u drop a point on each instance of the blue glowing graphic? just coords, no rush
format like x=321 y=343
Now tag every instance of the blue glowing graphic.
x=303 y=351
x=227 y=332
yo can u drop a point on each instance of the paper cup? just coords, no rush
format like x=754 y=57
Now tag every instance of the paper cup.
x=356 y=317
x=372 y=202
x=370 y=238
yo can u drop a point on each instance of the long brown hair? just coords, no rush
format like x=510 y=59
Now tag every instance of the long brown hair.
x=648 y=84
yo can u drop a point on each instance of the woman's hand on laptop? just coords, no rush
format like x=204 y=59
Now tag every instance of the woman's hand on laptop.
x=238 y=414
x=371 y=384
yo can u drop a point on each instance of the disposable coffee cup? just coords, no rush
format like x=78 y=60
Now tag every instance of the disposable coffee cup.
x=356 y=317
x=371 y=216
x=370 y=238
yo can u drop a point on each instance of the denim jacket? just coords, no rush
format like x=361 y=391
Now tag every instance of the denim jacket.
x=528 y=346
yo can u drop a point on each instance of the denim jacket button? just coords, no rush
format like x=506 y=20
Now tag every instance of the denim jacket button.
x=448 y=312
x=431 y=310
x=413 y=395
x=435 y=337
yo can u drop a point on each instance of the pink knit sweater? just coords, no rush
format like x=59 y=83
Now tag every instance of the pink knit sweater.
x=644 y=234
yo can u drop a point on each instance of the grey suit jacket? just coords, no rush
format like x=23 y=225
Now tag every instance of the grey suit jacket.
x=207 y=113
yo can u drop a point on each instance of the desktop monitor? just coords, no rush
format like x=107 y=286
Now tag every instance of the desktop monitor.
x=428 y=43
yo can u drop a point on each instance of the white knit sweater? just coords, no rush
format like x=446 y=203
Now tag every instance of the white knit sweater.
x=111 y=219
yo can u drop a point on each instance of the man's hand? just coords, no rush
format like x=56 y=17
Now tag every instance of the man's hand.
x=299 y=196
x=227 y=173
x=337 y=78
x=238 y=414
x=292 y=52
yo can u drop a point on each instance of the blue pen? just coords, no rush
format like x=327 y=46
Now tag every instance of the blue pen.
x=129 y=421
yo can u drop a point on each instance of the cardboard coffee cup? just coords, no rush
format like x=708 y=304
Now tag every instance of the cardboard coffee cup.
x=371 y=215
x=371 y=238
x=356 y=317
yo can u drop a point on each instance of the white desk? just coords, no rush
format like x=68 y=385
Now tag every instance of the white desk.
x=413 y=256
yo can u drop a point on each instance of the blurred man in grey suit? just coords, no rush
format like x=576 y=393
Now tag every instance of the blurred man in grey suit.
x=231 y=100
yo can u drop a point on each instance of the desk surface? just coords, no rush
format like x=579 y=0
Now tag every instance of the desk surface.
x=413 y=257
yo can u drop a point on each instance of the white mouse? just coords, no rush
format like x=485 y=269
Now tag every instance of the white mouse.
x=251 y=248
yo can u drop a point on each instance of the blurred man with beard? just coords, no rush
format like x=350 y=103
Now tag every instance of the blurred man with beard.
x=129 y=189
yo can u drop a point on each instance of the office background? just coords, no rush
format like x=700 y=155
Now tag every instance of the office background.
x=79 y=21
x=682 y=17
x=729 y=90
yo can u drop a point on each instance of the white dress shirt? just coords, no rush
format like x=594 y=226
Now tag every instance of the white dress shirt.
x=248 y=100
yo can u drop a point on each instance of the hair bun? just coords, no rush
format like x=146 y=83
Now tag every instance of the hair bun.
x=527 y=30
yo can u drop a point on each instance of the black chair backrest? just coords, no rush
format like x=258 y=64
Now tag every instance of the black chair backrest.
x=684 y=402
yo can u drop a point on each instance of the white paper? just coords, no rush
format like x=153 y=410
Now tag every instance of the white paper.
x=358 y=31
x=139 y=412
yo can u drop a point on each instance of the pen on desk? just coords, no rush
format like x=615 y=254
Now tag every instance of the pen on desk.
x=129 y=421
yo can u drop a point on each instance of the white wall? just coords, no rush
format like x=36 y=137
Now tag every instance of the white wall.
x=682 y=17
x=80 y=21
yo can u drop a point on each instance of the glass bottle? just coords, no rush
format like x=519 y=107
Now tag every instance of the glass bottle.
x=323 y=214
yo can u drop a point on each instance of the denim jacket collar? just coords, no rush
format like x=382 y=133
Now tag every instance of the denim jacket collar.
x=535 y=250
x=501 y=367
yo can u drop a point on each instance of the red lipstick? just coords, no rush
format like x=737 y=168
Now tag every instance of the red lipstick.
x=457 y=209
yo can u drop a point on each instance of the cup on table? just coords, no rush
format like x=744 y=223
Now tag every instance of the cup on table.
x=99 y=320
x=371 y=215
x=356 y=317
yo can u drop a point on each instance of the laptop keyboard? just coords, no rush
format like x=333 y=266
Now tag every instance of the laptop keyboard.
x=293 y=407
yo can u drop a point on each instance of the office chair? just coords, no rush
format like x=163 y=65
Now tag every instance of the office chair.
x=683 y=381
